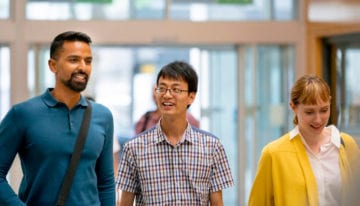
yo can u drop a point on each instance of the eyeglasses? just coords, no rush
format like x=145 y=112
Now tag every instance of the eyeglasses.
x=174 y=91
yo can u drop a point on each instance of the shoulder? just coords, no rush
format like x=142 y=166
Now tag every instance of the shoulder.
x=347 y=139
x=349 y=144
x=148 y=136
x=203 y=133
x=283 y=143
x=203 y=138
x=32 y=105
x=100 y=109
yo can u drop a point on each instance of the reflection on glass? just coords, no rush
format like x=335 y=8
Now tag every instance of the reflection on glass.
x=196 y=10
x=96 y=9
x=349 y=100
x=4 y=80
x=285 y=10
x=4 y=9
x=222 y=107
x=334 y=11
x=256 y=10
x=269 y=71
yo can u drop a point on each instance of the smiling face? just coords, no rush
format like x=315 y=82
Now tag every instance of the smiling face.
x=310 y=102
x=312 y=119
x=72 y=65
x=170 y=103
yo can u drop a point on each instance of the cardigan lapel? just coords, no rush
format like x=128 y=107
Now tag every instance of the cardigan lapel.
x=309 y=177
x=345 y=170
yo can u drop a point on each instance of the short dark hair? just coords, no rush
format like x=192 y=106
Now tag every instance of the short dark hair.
x=59 y=40
x=180 y=70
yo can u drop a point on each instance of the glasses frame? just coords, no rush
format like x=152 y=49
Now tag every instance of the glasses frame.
x=173 y=91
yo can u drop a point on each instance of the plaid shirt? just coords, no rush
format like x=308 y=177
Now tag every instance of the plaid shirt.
x=185 y=174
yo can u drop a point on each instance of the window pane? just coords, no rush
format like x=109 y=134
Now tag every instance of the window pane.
x=334 y=11
x=349 y=95
x=257 y=10
x=223 y=107
x=4 y=80
x=4 y=9
x=269 y=71
x=285 y=10
x=88 y=10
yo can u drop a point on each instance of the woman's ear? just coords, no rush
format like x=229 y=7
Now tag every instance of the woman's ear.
x=292 y=106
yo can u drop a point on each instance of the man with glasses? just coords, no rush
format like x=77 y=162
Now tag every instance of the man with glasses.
x=174 y=163
x=151 y=117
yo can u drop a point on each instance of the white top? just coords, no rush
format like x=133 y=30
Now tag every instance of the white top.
x=326 y=167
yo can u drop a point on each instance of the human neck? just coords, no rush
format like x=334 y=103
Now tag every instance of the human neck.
x=68 y=97
x=315 y=141
x=173 y=128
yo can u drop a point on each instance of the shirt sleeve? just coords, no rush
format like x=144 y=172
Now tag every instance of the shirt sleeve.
x=127 y=177
x=10 y=140
x=221 y=173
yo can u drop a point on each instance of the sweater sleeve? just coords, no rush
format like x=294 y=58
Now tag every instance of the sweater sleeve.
x=105 y=167
x=262 y=189
x=10 y=140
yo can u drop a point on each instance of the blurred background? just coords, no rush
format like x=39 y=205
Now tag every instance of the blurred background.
x=247 y=53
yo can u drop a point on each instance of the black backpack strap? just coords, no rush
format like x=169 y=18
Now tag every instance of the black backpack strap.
x=75 y=157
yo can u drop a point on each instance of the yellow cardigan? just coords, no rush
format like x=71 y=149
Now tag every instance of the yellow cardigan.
x=285 y=177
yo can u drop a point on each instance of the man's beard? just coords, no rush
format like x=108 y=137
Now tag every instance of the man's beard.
x=74 y=85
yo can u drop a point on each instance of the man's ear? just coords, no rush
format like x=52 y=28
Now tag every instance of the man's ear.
x=192 y=96
x=52 y=65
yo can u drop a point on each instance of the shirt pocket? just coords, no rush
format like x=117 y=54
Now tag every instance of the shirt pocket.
x=199 y=166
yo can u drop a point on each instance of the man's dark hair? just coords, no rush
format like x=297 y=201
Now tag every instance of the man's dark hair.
x=180 y=70
x=59 y=40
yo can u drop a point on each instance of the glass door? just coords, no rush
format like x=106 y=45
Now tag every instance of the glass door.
x=267 y=74
x=4 y=80
x=341 y=57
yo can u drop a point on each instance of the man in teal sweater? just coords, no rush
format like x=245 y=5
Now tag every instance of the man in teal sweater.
x=43 y=131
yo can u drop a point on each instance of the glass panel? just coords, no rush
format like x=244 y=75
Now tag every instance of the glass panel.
x=349 y=96
x=334 y=11
x=39 y=76
x=4 y=9
x=272 y=100
x=221 y=83
x=4 y=80
x=96 y=9
x=200 y=10
x=269 y=75
x=285 y=10
x=145 y=9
